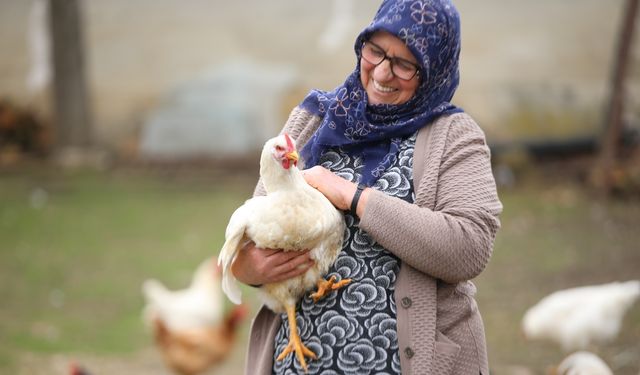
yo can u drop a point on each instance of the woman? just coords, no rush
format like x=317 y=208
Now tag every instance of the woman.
x=412 y=172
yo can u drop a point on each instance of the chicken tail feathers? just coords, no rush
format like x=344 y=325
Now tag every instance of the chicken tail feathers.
x=152 y=288
x=153 y=291
x=229 y=283
x=234 y=236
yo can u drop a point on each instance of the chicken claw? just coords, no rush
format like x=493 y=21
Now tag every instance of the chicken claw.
x=326 y=286
x=295 y=343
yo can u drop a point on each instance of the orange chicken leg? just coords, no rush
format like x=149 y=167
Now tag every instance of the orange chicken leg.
x=295 y=343
x=326 y=286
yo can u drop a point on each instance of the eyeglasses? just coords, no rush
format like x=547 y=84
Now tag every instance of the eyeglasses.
x=401 y=68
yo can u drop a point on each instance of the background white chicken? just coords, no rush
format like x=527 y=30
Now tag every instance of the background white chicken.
x=293 y=216
x=582 y=363
x=579 y=317
x=189 y=325
x=196 y=306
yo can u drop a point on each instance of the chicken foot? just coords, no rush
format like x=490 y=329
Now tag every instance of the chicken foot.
x=295 y=343
x=327 y=286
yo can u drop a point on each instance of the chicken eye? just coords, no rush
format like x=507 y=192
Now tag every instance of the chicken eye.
x=279 y=148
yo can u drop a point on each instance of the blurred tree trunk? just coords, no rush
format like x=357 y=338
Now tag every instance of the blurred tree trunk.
x=72 y=116
x=603 y=172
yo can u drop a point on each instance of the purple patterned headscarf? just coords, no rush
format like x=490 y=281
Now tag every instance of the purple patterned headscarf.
x=431 y=31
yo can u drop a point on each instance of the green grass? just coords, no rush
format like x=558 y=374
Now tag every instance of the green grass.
x=75 y=249
x=72 y=265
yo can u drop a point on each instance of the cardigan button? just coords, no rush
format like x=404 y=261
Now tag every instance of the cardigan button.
x=406 y=302
x=408 y=352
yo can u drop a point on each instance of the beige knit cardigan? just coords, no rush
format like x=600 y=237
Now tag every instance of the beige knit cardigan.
x=443 y=240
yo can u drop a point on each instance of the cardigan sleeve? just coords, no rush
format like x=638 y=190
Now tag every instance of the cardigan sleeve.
x=454 y=241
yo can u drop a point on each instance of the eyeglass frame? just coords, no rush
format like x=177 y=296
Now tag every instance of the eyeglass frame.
x=391 y=60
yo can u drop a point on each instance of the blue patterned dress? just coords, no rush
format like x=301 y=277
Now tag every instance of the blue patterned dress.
x=353 y=330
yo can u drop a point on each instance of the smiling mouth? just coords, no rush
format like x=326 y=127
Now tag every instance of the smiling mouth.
x=381 y=88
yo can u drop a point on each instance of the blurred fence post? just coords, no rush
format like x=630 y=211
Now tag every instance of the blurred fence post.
x=72 y=116
x=602 y=174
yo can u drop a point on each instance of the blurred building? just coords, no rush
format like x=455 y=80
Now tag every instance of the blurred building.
x=227 y=113
x=549 y=54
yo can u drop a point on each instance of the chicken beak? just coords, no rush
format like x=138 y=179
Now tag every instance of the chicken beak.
x=293 y=156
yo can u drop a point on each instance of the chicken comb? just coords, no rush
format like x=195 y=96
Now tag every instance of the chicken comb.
x=290 y=145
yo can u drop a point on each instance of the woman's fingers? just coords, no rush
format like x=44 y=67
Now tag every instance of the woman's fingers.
x=284 y=265
x=337 y=190
x=291 y=264
x=280 y=257
x=297 y=271
x=254 y=265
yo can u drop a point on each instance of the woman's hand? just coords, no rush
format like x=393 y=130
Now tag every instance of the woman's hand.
x=257 y=266
x=339 y=191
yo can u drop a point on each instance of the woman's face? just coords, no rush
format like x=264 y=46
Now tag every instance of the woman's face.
x=382 y=86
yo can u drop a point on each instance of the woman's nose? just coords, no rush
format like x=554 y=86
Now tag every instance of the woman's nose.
x=382 y=71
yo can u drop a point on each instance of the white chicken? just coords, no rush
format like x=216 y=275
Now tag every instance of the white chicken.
x=579 y=317
x=188 y=325
x=582 y=363
x=196 y=306
x=293 y=216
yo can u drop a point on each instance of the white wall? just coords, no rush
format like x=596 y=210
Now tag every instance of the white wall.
x=140 y=49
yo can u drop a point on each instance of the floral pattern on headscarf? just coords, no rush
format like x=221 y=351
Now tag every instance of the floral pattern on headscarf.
x=431 y=31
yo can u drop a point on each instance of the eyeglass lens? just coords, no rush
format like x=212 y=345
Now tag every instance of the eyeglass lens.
x=401 y=68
